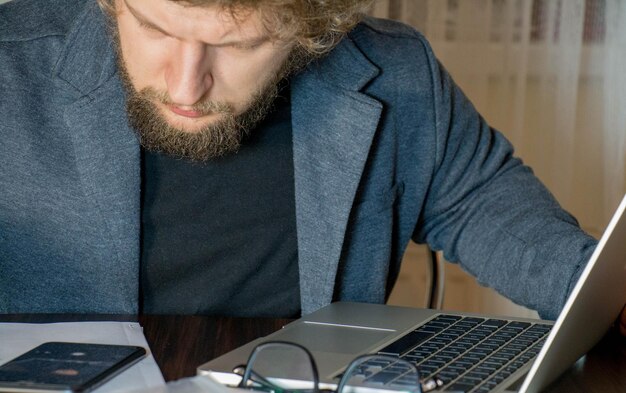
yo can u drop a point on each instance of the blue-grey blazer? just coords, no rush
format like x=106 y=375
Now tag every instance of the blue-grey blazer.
x=386 y=149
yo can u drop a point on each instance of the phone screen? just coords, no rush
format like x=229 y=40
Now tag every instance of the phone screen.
x=68 y=367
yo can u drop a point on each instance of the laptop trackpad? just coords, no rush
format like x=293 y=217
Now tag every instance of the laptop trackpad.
x=318 y=337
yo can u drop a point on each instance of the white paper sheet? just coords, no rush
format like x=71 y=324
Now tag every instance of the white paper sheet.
x=196 y=384
x=17 y=338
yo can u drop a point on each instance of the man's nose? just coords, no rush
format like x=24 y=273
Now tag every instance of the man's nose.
x=188 y=76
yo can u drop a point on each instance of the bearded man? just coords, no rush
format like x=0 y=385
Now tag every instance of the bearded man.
x=250 y=158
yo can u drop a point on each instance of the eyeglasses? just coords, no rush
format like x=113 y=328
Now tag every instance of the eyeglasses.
x=284 y=367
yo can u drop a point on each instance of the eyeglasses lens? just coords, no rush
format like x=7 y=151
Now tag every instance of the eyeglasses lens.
x=283 y=367
x=380 y=373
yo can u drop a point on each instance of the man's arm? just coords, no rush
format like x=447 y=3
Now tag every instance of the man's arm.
x=486 y=210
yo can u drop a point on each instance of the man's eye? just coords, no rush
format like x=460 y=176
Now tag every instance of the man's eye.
x=246 y=47
x=150 y=29
x=242 y=46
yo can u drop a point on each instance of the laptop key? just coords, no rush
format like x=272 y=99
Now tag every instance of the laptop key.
x=462 y=364
x=495 y=362
x=471 y=358
x=414 y=358
x=507 y=335
x=487 y=368
x=436 y=325
x=540 y=328
x=473 y=319
x=442 y=358
x=447 y=318
x=494 y=322
x=490 y=384
x=515 y=347
x=523 y=341
x=434 y=363
x=481 y=351
x=426 y=371
x=518 y=325
x=446 y=378
x=455 y=368
x=405 y=343
x=428 y=330
x=478 y=374
x=499 y=377
x=430 y=347
x=460 y=387
x=448 y=337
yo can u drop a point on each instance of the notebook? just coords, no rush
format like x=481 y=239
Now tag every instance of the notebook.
x=467 y=352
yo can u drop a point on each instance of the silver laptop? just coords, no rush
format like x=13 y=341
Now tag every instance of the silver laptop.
x=467 y=352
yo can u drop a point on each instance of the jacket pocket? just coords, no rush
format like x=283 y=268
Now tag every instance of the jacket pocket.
x=378 y=203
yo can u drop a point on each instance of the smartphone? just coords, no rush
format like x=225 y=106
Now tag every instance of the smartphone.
x=66 y=367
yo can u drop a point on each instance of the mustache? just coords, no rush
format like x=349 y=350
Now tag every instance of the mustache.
x=205 y=107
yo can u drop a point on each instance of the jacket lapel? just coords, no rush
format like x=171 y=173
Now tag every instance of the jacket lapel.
x=108 y=161
x=333 y=128
x=107 y=152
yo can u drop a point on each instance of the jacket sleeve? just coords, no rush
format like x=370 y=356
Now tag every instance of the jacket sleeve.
x=487 y=211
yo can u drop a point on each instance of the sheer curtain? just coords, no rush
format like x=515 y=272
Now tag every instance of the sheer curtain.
x=549 y=74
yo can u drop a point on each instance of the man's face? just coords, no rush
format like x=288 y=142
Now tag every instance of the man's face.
x=197 y=79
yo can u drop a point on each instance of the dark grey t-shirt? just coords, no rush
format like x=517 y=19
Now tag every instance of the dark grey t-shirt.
x=220 y=238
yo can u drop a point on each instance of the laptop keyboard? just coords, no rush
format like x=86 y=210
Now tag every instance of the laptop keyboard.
x=469 y=354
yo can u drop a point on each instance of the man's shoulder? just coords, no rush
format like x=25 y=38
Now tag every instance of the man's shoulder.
x=386 y=41
x=387 y=52
x=389 y=27
x=25 y=20
x=376 y=32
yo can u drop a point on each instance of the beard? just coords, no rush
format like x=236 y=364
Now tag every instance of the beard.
x=216 y=139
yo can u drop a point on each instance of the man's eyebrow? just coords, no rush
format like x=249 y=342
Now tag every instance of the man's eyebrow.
x=142 y=19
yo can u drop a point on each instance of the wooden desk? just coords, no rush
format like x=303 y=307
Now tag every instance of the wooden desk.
x=181 y=343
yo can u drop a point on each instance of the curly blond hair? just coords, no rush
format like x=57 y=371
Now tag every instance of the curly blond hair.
x=315 y=25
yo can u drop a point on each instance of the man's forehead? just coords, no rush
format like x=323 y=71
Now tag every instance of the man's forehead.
x=208 y=21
